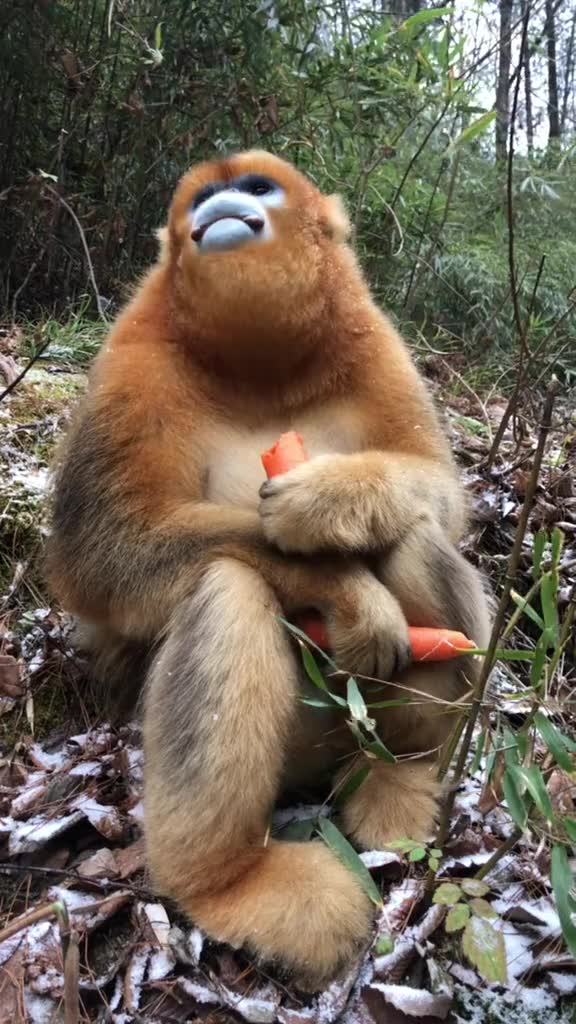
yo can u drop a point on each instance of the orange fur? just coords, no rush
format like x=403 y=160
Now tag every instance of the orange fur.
x=161 y=537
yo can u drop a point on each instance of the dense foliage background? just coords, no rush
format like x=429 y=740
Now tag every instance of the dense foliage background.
x=404 y=107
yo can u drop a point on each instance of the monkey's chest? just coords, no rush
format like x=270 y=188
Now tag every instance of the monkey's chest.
x=234 y=471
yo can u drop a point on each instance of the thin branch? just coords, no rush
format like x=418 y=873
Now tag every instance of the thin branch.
x=499 y=620
x=91 y=274
x=13 y=384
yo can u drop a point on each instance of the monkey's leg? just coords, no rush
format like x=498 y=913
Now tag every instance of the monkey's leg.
x=435 y=587
x=401 y=800
x=221 y=700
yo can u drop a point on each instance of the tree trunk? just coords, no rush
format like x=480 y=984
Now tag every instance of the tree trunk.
x=553 y=111
x=568 y=75
x=503 y=87
x=528 y=90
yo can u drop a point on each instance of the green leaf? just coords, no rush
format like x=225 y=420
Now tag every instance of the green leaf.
x=422 y=18
x=418 y=854
x=527 y=609
x=457 y=918
x=398 y=702
x=355 y=701
x=538 y=662
x=384 y=945
x=485 y=949
x=447 y=894
x=158 y=36
x=570 y=826
x=348 y=856
x=514 y=801
x=540 y=540
x=562 y=884
x=314 y=702
x=478 y=753
x=534 y=782
x=511 y=754
x=482 y=908
x=435 y=853
x=353 y=782
x=503 y=654
x=402 y=845
x=433 y=863
x=475 y=887
x=557 y=544
x=315 y=675
x=554 y=740
x=548 y=598
x=305 y=641
x=476 y=128
x=373 y=746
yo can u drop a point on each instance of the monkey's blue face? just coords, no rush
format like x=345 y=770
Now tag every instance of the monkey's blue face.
x=226 y=215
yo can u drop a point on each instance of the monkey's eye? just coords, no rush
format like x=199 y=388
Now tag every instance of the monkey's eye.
x=255 y=184
x=204 y=194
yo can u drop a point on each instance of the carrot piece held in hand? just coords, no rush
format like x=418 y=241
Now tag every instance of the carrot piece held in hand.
x=426 y=643
x=287 y=453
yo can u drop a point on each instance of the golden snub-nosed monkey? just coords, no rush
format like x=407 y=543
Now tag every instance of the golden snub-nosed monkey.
x=257 y=320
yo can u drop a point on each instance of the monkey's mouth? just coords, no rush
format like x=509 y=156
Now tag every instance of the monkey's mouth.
x=227 y=230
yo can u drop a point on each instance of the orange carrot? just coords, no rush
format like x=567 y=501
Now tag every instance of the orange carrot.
x=429 y=644
x=426 y=643
x=287 y=453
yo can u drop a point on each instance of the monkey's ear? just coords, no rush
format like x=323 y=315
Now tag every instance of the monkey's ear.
x=336 y=221
x=163 y=236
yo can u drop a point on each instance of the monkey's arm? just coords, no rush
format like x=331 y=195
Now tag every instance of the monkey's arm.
x=402 y=473
x=132 y=538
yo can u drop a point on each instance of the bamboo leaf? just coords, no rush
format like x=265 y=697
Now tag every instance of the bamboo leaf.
x=554 y=740
x=514 y=802
x=532 y=777
x=315 y=675
x=355 y=701
x=478 y=753
x=548 y=597
x=422 y=18
x=353 y=782
x=347 y=855
x=562 y=884
x=476 y=128
x=557 y=544
x=537 y=551
x=539 y=662
x=527 y=609
x=570 y=826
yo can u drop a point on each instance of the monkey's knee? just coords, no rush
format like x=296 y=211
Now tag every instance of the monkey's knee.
x=395 y=801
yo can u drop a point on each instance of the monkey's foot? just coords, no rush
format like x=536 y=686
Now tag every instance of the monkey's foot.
x=298 y=907
x=395 y=801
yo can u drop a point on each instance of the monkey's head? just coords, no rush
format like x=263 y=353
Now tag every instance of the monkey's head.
x=252 y=241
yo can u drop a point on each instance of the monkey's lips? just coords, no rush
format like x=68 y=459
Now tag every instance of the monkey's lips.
x=227 y=231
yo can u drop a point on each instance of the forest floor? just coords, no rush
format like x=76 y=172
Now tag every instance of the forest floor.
x=99 y=945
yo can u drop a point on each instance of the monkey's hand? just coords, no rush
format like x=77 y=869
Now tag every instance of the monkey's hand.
x=360 y=502
x=368 y=632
